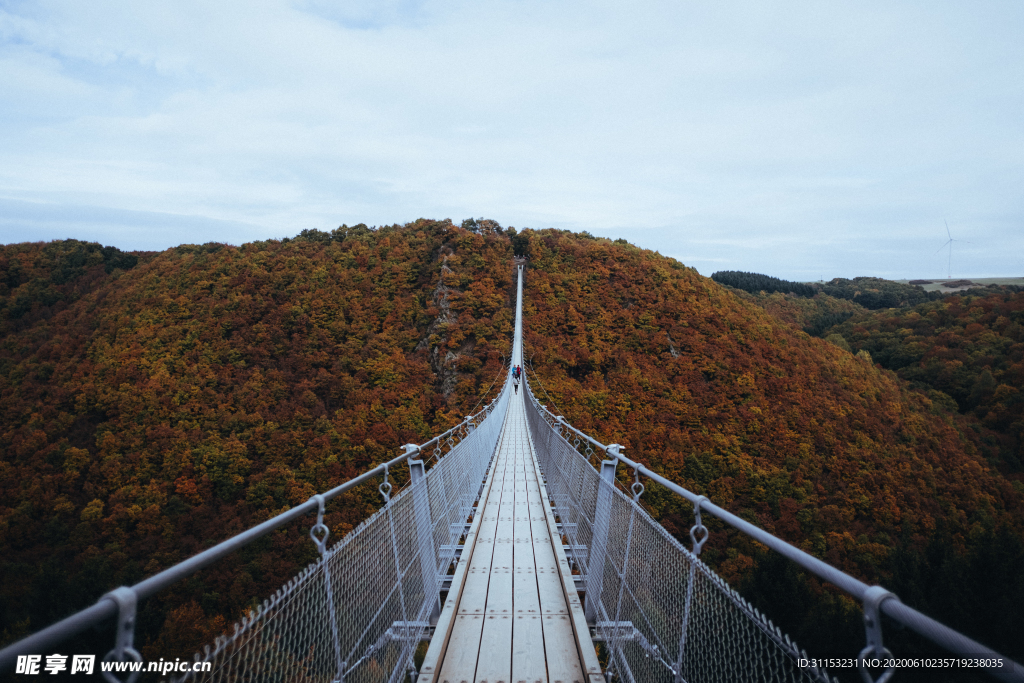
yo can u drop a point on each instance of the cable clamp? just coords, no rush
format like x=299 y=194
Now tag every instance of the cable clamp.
x=698 y=527
x=385 y=487
x=319 y=532
x=873 y=599
x=126 y=600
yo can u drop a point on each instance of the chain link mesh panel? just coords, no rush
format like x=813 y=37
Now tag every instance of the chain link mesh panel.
x=662 y=614
x=358 y=614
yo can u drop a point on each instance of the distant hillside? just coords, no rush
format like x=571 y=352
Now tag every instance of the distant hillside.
x=158 y=406
x=967 y=352
x=788 y=431
x=963 y=352
x=756 y=282
x=875 y=293
x=944 y=285
x=39 y=280
x=813 y=315
x=868 y=292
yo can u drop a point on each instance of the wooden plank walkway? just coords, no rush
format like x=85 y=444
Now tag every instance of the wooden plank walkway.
x=512 y=615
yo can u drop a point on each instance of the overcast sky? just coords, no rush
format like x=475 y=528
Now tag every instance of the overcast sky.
x=803 y=140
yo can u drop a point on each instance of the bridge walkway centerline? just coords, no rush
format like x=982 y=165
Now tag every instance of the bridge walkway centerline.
x=512 y=614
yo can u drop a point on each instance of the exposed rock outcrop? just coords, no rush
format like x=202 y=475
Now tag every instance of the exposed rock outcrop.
x=444 y=365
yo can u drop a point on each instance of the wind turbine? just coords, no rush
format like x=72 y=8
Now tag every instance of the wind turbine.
x=949 y=261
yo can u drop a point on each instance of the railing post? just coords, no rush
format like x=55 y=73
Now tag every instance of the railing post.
x=599 y=541
x=425 y=536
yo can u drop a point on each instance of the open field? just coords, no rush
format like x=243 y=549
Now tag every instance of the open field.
x=938 y=284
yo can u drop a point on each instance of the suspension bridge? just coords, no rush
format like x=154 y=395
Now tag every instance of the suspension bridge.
x=510 y=559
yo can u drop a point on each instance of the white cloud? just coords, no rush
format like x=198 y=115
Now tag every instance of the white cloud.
x=744 y=134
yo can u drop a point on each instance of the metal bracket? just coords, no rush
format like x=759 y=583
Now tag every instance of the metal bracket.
x=385 y=486
x=319 y=528
x=615 y=632
x=698 y=527
x=873 y=599
x=411 y=449
x=124 y=637
x=637 y=488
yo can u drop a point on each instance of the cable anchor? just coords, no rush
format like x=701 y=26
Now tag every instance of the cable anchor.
x=637 y=488
x=319 y=532
x=125 y=599
x=698 y=527
x=385 y=486
x=873 y=599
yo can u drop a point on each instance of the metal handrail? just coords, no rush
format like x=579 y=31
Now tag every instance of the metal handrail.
x=107 y=607
x=954 y=641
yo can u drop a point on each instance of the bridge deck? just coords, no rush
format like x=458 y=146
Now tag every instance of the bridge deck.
x=512 y=614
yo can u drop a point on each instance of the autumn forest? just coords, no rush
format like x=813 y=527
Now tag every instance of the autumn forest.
x=153 y=404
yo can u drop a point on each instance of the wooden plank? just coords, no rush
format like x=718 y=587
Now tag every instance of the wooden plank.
x=431 y=668
x=450 y=625
x=528 y=662
x=522 y=529
x=495 y=663
x=525 y=598
x=585 y=645
x=560 y=646
x=464 y=645
x=499 y=591
x=495 y=644
x=552 y=600
x=549 y=582
x=474 y=594
x=514 y=621
x=560 y=649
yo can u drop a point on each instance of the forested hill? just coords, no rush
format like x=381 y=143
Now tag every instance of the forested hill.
x=147 y=412
x=150 y=408
x=789 y=431
x=966 y=350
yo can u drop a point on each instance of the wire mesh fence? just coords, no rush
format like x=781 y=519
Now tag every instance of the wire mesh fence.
x=359 y=612
x=661 y=613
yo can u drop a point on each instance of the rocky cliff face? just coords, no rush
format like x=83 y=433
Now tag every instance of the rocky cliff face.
x=443 y=362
